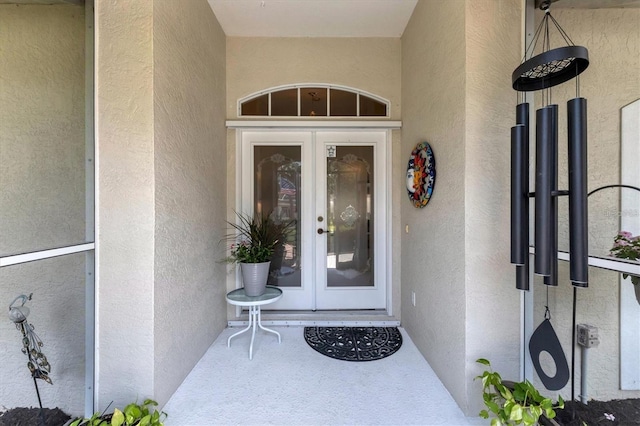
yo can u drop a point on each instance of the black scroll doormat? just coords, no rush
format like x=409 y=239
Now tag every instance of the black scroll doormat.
x=354 y=343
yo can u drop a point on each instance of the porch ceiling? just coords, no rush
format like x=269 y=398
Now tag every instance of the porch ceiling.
x=337 y=18
x=313 y=18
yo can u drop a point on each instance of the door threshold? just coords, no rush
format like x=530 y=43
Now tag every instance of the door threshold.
x=356 y=318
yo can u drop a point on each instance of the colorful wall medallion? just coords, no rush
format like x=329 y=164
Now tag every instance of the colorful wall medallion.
x=421 y=175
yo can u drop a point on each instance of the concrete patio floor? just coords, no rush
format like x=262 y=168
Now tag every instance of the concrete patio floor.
x=292 y=384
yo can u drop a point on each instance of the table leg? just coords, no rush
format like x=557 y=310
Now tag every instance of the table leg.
x=266 y=329
x=239 y=332
x=253 y=311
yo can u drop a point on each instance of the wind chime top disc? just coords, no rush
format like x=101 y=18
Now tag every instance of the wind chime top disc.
x=421 y=175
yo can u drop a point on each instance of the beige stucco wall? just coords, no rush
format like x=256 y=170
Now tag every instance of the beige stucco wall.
x=125 y=203
x=161 y=138
x=598 y=305
x=42 y=192
x=611 y=81
x=161 y=149
x=58 y=315
x=433 y=104
x=455 y=256
x=493 y=50
x=369 y=64
x=190 y=187
x=42 y=127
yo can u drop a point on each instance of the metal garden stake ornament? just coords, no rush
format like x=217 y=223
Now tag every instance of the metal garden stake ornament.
x=31 y=343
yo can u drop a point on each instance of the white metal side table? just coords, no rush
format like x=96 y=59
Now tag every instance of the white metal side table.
x=238 y=297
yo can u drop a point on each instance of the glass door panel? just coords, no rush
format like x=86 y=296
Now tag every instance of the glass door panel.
x=277 y=192
x=350 y=219
x=275 y=179
x=350 y=186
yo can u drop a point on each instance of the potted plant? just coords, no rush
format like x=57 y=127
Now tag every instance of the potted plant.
x=626 y=246
x=254 y=242
x=513 y=403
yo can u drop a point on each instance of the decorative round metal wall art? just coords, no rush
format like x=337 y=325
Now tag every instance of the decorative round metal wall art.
x=421 y=175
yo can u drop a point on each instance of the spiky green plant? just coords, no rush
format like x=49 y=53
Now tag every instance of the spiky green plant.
x=255 y=237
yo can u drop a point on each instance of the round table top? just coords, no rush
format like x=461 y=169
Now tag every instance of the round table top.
x=239 y=298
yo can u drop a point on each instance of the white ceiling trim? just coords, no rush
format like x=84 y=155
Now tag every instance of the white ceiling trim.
x=313 y=18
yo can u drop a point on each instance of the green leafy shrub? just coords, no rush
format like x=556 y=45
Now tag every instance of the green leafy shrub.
x=513 y=403
x=132 y=415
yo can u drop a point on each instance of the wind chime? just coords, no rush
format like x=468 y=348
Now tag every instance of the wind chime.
x=542 y=72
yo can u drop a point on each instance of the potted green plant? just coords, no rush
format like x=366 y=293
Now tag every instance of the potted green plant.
x=513 y=403
x=132 y=415
x=254 y=241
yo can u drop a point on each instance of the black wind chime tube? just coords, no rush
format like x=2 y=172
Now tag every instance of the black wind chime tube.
x=578 y=209
x=552 y=279
x=544 y=122
x=518 y=210
x=522 y=276
x=520 y=193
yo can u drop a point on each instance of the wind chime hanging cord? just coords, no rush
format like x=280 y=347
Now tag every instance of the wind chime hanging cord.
x=552 y=66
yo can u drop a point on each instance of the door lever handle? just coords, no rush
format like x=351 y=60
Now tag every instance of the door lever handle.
x=322 y=231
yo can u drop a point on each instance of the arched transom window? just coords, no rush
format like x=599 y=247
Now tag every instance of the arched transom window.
x=312 y=100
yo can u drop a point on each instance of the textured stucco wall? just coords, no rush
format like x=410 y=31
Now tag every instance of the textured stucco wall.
x=42 y=127
x=58 y=314
x=597 y=305
x=369 y=64
x=493 y=50
x=190 y=187
x=611 y=81
x=42 y=195
x=125 y=202
x=455 y=256
x=433 y=252
x=161 y=147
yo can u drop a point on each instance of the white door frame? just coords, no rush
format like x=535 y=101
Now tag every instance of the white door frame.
x=315 y=126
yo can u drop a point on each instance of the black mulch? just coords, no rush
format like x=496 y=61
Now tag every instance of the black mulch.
x=31 y=417
x=623 y=412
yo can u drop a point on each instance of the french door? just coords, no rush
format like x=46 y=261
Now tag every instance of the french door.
x=330 y=188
